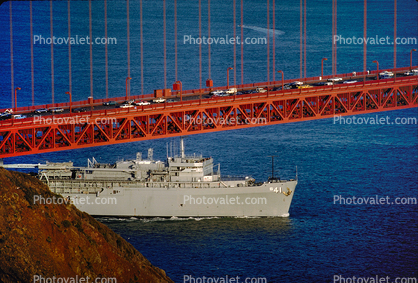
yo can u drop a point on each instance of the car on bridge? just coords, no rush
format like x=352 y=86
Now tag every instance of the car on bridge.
x=322 y=83
x=304 y=86
x=78 y=110
x=126 y=105
x=19 y=116
x=158 y=100
x=56 y=110
x=40 y=111
x=231 y=90
x=130 y=101
x=5 y=115
x=295 y=84
x=260 y=90
x=411 y=73
x=109 y=103
x=142 y=102
x=216 y=92
x=386 y=75
x=334 y=80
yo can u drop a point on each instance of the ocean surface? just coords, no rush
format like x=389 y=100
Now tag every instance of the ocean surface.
x=323 y=239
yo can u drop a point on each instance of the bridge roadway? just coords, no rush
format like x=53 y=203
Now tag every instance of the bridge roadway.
x=199 y=113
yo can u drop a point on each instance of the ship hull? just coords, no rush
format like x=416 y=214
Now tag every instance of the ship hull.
x=266 y=200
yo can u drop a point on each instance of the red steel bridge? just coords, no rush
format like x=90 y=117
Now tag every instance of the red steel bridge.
x=111 y=126
x=198 y=112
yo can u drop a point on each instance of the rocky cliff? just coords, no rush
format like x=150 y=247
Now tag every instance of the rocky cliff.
x=57 y=240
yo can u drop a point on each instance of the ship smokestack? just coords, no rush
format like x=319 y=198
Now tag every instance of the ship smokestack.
x=182 y=147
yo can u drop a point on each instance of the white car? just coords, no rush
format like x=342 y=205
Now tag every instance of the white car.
x=232 y=90
x=386 y=75
x=217 y=92
x=349 y=82
x=126 y=105
x=334 y=80
x=158 y=100
x=260 y=90
x=140 y=103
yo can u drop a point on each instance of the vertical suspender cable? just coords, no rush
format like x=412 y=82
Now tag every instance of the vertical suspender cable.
x=91 y=52
x=31 y=55
x=142 y=48
x=128 y=38
x=11 y=53
x=334 y=33
x=274 y=37
x=200 y=45
x=268 y=42
x=52 y=51
x=242 y=42
x=69 y=48
x=106 y=57
x=336 y=28
x=394 y=35
x=175 y=39
x=365 y=36
x=165 y=47
x=208 y=38
x=300 y=40
x=235 y=43
x=304 y=41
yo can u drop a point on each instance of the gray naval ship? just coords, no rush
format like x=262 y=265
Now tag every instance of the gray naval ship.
x=182 y=186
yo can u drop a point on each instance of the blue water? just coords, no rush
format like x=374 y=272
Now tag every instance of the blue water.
x=320 y=239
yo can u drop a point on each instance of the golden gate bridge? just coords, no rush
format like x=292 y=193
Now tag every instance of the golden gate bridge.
x=195 y=111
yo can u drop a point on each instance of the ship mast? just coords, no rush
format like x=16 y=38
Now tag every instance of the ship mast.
x=272 y=169
x=182 y=147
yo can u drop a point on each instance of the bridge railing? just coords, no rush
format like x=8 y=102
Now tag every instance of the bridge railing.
x=120 y=113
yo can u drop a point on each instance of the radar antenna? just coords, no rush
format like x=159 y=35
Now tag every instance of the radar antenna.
x=272 y=178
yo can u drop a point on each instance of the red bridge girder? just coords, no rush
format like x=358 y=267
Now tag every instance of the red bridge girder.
x=96 y=128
